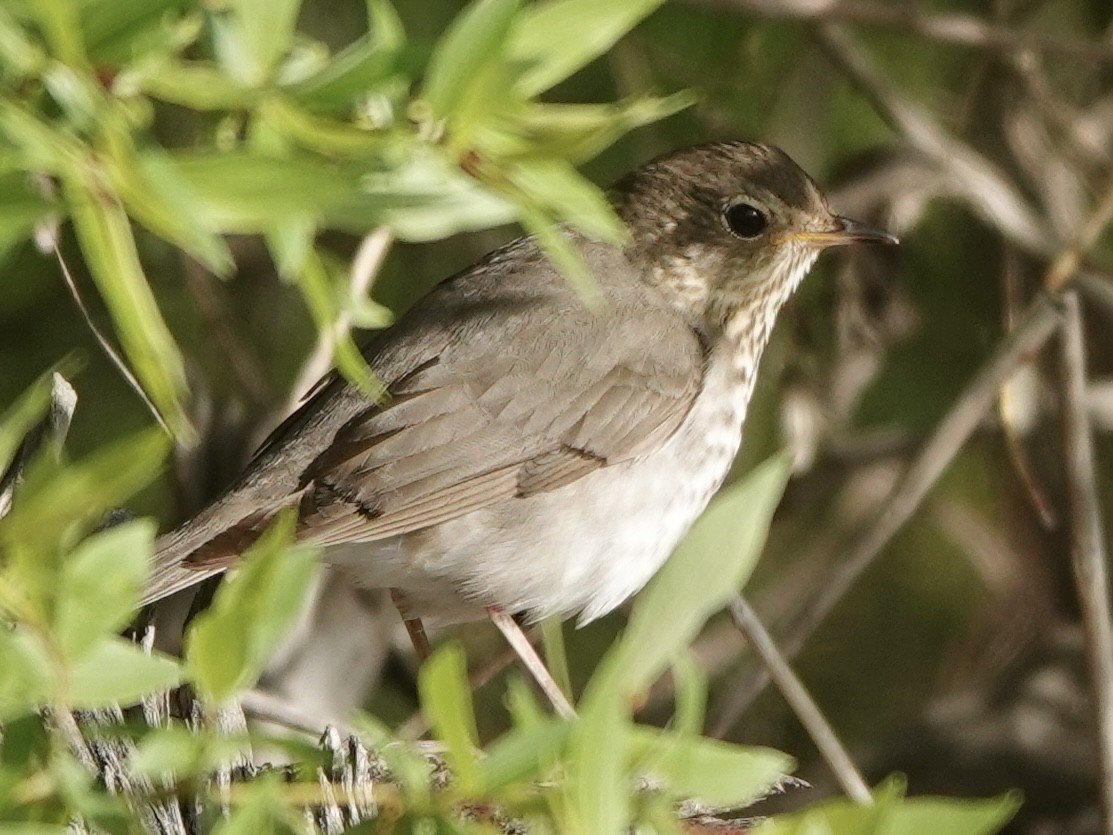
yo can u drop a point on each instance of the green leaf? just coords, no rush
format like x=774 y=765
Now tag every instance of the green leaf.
x=893 y=814
x=251 y=36
x=100 y=585
x=19 y=418
x=321 y=134
x=351 y=74
x=385 y=25
x=317 y=288
x=725 y=543
x=578 y=132
x=20 y=209
x=116 y=671
x=192 y=84
x=229 y=643
x=105 y=235
x=556 y=654
x=473 y=41
x=559 y=37
x=25 y=673
x=446 y=702
x=424 y=198
x=156 y=197
x=246 y=193
x=563 y=192
x=61 y=27
x=600 y=787
x=719 y=774
x=522 y=756
x=55 y=502
x=181 y=751
x=18 y=52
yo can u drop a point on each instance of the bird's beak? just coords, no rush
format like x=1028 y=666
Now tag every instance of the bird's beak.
x=846 y=231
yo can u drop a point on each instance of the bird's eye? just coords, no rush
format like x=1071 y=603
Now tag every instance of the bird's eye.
x=744 y=220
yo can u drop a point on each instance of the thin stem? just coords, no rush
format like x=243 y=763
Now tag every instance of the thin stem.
x=531 y=660
x=1087 y=540
x=801 y=702
x=106 y=344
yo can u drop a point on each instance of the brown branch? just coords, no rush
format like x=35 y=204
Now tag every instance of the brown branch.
x=1087 y=540
x=801 y=702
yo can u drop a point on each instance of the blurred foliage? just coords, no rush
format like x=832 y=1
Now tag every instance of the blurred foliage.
x=167 y=146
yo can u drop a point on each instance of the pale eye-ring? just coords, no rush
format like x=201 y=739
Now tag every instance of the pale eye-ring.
x=745 y=220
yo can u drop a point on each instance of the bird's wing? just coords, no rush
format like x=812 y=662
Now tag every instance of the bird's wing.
x=474 y=430
x=497 y=390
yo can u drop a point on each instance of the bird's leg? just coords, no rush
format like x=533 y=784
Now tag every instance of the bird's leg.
x=414 y=627
x=531 y=660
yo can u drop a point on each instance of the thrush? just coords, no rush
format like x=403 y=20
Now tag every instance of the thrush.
x=533 y=455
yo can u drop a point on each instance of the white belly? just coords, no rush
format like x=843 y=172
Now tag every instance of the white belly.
x=583 y=548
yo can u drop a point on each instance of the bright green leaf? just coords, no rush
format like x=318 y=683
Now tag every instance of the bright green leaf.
x=100 y=585
x=250 y=194
x=55 y=501
x=251 y=36
x=893 y=814
x=523 y=754
x=446 y=702
x=564 y=193
x=720 y=774
x=558 y=37
x=116 y=671
x=229 y=643
x=25 y=674
x=472 y=41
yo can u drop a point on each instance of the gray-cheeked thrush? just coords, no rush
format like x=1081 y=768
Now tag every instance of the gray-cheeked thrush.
x=534 y=456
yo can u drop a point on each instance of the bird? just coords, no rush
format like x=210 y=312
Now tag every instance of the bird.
x=533 y=455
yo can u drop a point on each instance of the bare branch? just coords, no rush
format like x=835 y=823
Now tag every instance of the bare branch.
x=801 y=702
x=1088 y=541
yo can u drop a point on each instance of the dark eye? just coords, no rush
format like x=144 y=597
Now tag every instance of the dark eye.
x=745 y=220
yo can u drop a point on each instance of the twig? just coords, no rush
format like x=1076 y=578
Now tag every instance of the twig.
x=961 y=29
x=1068 y=261
x=801 y=702
x=1087 y=541
x=1032 y=331
x=106 y=344
x=531 y=660
x=52 y=429
x=365 y=266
